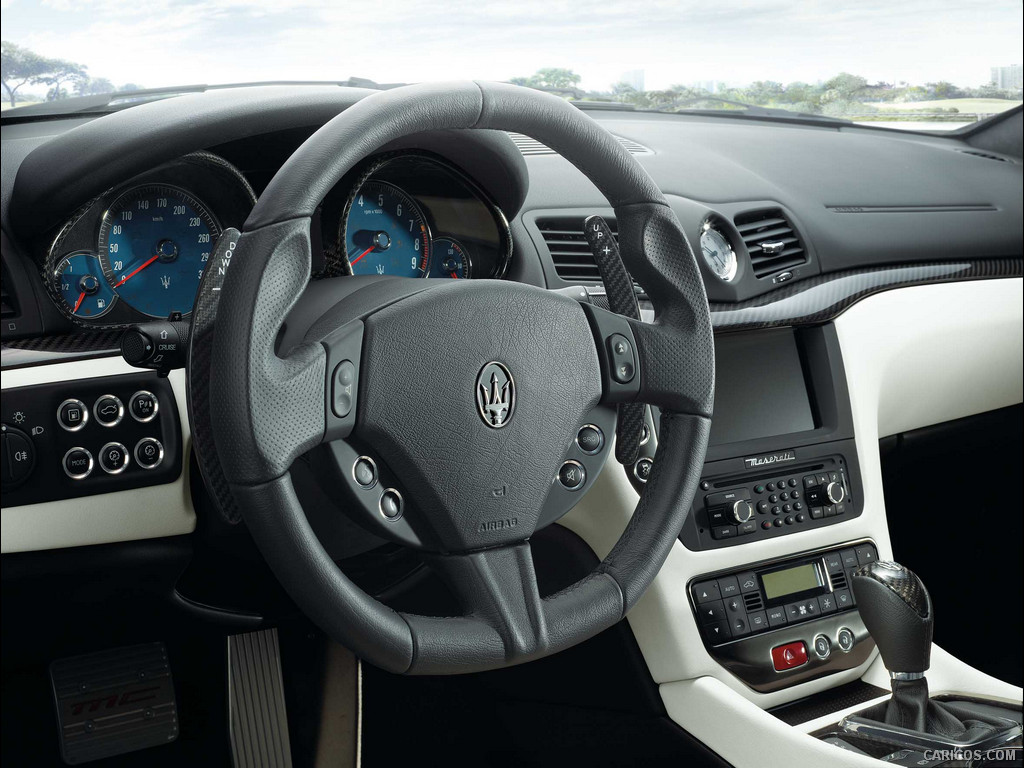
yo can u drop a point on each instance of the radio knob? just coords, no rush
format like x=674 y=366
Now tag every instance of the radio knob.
x=742 y=511
x=835 y=492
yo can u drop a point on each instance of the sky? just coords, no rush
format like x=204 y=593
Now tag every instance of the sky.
x=155 y=43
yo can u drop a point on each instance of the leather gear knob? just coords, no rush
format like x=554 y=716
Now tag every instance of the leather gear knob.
x=897 y=611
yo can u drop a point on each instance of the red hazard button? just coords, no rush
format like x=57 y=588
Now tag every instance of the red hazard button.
x=788 y=656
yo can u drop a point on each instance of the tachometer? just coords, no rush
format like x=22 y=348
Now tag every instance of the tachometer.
x=385 y=233
x=154 y=243
x=81 y=286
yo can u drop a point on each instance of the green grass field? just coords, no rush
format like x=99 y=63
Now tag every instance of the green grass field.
x=977 y=106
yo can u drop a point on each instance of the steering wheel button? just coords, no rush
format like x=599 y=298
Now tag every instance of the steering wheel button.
x=78 y=463
x=364 y=472
x=572 y=475
x=642 y=469
x=72 y=415
x=590 y=439
x=113 y=458
x=343 y=388
x=108 y=410
x=143 y=406
x=149 y=453
x=391 y=504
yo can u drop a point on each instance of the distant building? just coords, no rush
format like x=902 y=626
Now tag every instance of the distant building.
x=710 y=86
x=634 y=79
x=1007 y=78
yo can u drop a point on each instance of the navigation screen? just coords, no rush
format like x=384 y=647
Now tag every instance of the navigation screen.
x=790 y=581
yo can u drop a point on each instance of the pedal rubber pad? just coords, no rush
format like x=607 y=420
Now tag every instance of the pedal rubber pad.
x=114 y=701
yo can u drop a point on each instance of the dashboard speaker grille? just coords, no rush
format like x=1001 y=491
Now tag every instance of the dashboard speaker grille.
x=530 y=146
x=770 y=226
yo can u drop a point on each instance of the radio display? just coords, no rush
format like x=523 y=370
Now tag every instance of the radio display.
x=790 y=581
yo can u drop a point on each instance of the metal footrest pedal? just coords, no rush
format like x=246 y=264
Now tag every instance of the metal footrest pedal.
x=256 y=705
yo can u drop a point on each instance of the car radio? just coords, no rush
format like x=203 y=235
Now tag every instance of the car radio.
x=786 y=620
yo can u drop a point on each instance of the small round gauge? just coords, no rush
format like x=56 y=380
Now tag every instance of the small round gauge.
x=449 y=259
x=385 y=233
x=83 y=290
x=154 y=243
x=718 y=253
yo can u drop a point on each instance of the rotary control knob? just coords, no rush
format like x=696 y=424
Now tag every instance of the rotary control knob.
x=835 y=492
x=742 y=511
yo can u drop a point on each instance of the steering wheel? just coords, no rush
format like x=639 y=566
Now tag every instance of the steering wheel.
x=379 y=368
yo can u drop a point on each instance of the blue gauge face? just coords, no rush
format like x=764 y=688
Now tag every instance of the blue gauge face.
x=155 y=241
x=82 y=287
x=385 y=233
x=449 y=259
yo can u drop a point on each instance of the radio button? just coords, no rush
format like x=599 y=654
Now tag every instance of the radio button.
x=726 y=497
x=776 y=617
x=792 y=483
x=840 y=509
x=817 y=513
x=866 y=554
x=762 y=507
x=810 y=481
x=789 y=656
x=723 y=532
x=716 y=632
x=758 y=621
x=830 y=510
x=712 y=611
x=729 y=586
x=718 y=516
x=827 y=603
x=777 y=522
x=822 y=478
x=706 y=591
x=748 y=527
x=748 y=582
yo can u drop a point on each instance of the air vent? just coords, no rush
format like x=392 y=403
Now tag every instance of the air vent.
x=838 y=581
x=753 y=602
x=986 y=155
x=529 y=146
x=569 y=250
x=771 y=240
x=7 y=300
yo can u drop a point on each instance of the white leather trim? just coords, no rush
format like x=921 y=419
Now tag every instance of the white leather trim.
x=913 y=357
x=145 y=513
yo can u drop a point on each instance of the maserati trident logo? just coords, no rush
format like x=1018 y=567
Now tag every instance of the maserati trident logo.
x=495 y=395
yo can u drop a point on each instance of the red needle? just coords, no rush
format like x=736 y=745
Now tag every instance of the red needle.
x=135 y=271
x=357 y=258
x=79 y=302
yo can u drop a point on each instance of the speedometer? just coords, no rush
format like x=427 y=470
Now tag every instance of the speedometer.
x=385 y=233
x=154 y=243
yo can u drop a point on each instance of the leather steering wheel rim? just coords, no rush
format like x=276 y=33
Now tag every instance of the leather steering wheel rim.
x=267 y=410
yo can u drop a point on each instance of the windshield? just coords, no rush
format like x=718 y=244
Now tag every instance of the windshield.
x=912 y=64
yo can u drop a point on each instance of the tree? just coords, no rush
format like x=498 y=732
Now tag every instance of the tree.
x=550 y=77
x=845 y=87
x=944 y=90
x=91 y=86
x=59 y=72
x=19 y=66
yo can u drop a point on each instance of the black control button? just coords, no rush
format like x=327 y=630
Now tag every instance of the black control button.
x=748 y=527
x=364 y=472
x=78 y=463
x=642 y=469
x=845 y=639
x=621 y=351
x=841 y=509
x=704 y=485
x=789 y=519
x=822 y=478
x=798 y=506
x=844 y=599
x=723 y=532
x=830 y=510
x=766 y=525
x=343 y=388
x=810 y=481
x=738 y=626
x=759 y=489
x=801 y=518
x=143 y=406
x=777 y=522
x=770 y=486
x=149 y=453
x=645 y=434
x=729 y=586
x=866 y=554
x=787 y=507
x=735 y=606
x=391 y=504
x=833 y=477
x=718 y=516
x=748 y=582
x=758 y=621
x=833 y=560
x=706 y=591
x=712 y=611
x=590 y=439
x=108 y=410
x=794 y=494
x=792 y=483
x=774 y=498
x=716 y=631
x=113 y=458
x=19 y=456
x=849 y=558
x=806 y=609
x=726 y=497
x=817 y=513
x=572 y=475
x=784 y=496
x=776 y=510
x=72 y=415
x=762 y=507
x=827 y=603
x=822 y=647
x=776 y=616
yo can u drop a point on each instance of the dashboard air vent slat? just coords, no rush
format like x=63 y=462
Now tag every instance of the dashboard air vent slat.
x=980 y=153
x=570 y=253
x=839 y=581
x=753 y=601
x=530 y=146
x=770 y=225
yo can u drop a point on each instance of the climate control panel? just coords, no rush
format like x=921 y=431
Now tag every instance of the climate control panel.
x=79 y=438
